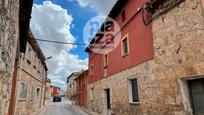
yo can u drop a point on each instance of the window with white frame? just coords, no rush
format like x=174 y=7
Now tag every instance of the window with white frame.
x=23 y=92
x=133 y=91
x=92 y=94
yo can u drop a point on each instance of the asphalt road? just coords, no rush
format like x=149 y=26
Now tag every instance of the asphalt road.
x=62 y=108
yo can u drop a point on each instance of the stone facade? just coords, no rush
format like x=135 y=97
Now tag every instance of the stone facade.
x=31 y=77
x=72 y=85
x=178 y=39
x=71 y=88
x=9 y=24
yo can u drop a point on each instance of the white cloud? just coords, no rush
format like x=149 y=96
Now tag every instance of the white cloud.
x=102 y=6
x=82 y=3
x=52 y=22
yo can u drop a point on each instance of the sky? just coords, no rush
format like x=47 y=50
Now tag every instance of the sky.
x=64 y=20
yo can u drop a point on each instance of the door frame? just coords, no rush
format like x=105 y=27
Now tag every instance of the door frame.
x=37 y=98
x=185 y=92
x=106 y=110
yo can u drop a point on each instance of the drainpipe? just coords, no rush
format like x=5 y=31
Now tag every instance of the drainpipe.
x=45 y=89
x=45 y=80
x=14 y=83
x=19 y=67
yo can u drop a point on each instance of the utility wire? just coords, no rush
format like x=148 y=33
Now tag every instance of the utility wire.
x=57 y=42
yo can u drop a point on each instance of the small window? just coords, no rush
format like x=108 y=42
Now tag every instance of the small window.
x=28 y=55
x=38 y=93
x=125 y=46
x=105 y=60
x=133 y=91
x=92 y=94
x=123 y=16
x=23 y=93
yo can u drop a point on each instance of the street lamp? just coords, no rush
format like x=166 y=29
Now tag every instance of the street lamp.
x=48 y=58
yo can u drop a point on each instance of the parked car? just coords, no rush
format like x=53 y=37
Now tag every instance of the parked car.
x=57 y=97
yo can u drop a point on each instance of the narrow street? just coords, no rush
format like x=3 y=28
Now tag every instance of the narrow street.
x=62 y=108
x=102 y=57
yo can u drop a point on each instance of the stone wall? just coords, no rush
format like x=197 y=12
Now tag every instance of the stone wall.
x=9 y=10
x=71 y=87
x=32 y=103
x=178 y=55
x=32 y=73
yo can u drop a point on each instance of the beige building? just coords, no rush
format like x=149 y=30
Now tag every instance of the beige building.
x=31 y=79
x=14 y=24
x=172 y=82
x=48 y=89
x=72 y=85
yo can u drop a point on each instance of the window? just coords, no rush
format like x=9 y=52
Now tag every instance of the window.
x=125 y=47
x=105 y=60
x=133 y=91
x=35 y=62
x=38 y=92
x=23 y=92
x=28 y=55
x=38 y=65
x=92 y=94
x=123 y=16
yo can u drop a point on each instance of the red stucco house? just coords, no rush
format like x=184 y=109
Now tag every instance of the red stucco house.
x=157 y=67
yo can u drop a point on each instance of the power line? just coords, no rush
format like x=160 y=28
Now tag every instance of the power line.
x=58 y=42
x=69 y=43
